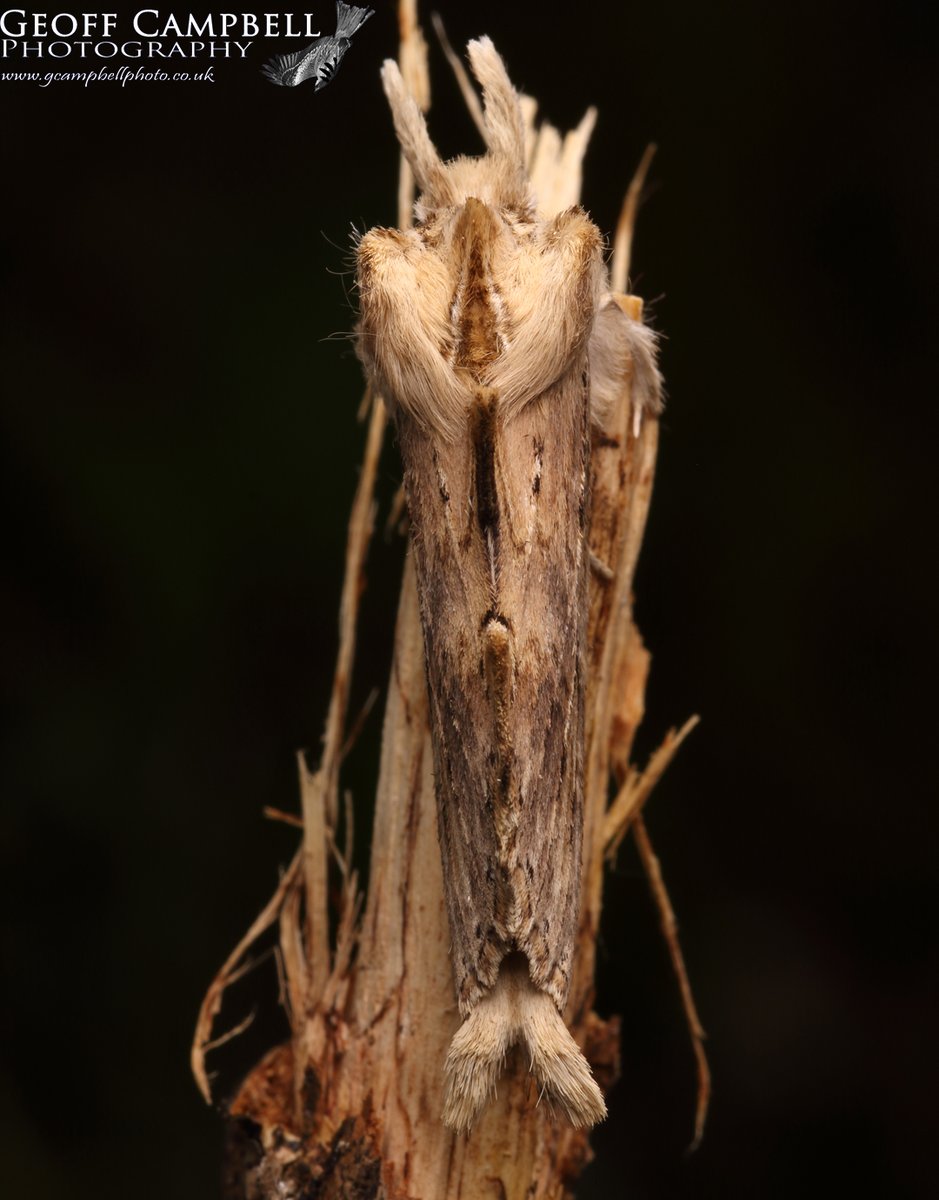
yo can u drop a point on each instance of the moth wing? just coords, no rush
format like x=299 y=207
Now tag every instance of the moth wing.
x=545 y=582
x=452 y=576
x=506 y=687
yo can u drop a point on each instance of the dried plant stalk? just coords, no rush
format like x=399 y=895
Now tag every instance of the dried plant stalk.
x=351 y=1106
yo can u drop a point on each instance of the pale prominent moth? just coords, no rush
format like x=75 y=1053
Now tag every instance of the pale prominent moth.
x=490 y=333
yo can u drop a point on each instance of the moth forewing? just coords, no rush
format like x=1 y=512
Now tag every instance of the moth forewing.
x=479 y=327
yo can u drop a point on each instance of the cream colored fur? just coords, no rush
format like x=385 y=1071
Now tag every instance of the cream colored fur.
x=409 y=280
x=516 y=1012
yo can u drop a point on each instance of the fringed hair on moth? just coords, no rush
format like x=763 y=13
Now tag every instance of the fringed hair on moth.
x=623 y=350
x=349 y=269
x=490 y=330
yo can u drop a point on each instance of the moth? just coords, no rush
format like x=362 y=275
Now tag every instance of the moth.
x=320 y=60
x=489 y=330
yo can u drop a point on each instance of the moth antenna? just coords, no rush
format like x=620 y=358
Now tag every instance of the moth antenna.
x=504 y=126
x=411 y=129
x=516 y=1011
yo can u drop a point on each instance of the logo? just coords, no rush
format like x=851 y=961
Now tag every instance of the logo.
x=320 y=60
x=89 y=46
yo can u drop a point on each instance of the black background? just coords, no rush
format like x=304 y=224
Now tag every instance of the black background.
x=179 y=450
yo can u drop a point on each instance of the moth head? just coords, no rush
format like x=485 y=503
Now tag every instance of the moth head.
x=482 y=291
x=500 y=177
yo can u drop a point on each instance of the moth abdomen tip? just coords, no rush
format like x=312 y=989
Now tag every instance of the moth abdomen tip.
x=516 y=1012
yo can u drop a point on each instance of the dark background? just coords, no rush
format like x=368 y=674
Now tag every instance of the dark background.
x=179 y=450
